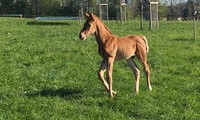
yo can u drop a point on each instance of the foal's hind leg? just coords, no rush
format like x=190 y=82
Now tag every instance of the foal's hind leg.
x=147 y=74
x=101 y=72
x=143 y=59
x=136 y=72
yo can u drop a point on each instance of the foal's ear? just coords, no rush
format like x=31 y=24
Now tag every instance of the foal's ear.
x=87 y=15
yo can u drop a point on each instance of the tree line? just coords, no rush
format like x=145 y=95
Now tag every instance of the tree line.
x=33 y=8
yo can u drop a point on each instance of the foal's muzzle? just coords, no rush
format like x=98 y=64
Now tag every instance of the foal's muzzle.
x=82 y=36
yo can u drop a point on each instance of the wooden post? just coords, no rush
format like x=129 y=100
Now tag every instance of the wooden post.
x=121 y=13
x=79 y=14
x=100 y=11
x=141 y=18
x=150 y=17
x=91 y=10
x=194 y=27
x=117 y=13
x=107 y=13
x=157 y=24
x=125 y=13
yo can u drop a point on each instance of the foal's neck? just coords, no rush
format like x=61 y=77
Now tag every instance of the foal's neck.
x=102 y=33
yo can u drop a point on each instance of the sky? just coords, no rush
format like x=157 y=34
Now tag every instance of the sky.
x=175 y=1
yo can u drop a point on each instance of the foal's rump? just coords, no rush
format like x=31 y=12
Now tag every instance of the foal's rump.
x=146 y=42
x=141 y=41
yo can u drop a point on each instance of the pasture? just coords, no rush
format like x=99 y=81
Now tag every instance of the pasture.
x=46 y=72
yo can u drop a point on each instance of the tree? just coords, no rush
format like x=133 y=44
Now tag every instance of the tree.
x=190 y=8
x=162 y=11
x=7 y=6
x=23 y=7
x=72 y=8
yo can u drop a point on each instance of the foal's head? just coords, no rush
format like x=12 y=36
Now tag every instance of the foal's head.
x=89 y=27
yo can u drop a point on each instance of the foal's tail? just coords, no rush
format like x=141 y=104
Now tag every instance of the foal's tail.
x=145 y=40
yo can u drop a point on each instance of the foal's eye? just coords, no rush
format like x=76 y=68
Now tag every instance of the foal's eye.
x=89 y=25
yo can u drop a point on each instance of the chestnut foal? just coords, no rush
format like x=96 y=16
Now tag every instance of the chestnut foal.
x=112 y=47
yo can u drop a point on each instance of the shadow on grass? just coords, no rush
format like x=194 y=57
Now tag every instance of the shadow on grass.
x=182 y=39
x=47 y=23
x=68 y=93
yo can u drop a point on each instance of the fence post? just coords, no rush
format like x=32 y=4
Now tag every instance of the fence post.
x=141 y=18
x=194 y=27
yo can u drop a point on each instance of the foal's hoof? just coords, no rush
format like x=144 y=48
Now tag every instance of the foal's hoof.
x=136 y=93
x=114 y=93
x=149 y=88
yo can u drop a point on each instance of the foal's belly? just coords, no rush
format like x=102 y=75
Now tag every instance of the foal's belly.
x=124 y=54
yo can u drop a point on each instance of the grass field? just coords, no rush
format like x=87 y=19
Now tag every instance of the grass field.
x=46 y=72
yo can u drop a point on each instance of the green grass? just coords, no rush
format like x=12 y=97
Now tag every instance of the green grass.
x=46 y=72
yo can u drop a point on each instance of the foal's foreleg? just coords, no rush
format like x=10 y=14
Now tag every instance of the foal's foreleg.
x=109 y=75
x=101 y=72
x=136 y=72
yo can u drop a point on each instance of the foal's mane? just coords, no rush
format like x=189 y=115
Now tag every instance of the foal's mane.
x=97 y=18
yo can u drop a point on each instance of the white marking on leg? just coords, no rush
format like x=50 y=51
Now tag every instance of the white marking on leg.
x=150 y=88
x=137 y=74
